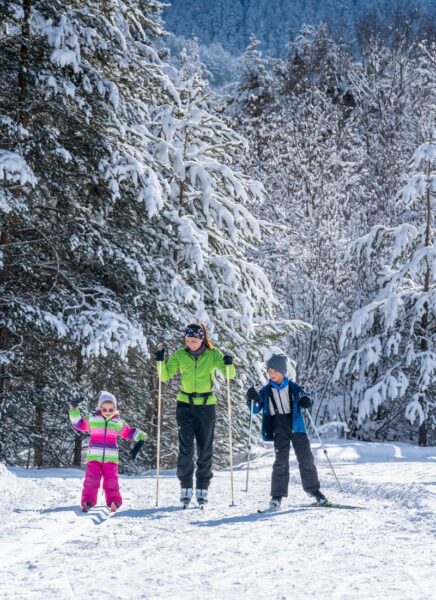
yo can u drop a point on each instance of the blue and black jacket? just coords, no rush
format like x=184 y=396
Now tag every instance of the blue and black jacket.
x=267 y=429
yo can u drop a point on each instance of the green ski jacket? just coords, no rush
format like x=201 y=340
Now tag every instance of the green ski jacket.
x=198 y=375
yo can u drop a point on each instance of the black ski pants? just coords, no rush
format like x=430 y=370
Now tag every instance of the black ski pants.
x=195 y=423
x=283 y=437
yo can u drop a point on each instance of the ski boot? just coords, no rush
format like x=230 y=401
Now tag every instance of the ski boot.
x=86 y=506
x=275 y=502
x=320 y=498
x=201 y=496
x=185 y=496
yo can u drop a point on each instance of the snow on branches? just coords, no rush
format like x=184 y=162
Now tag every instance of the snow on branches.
x=389 y=344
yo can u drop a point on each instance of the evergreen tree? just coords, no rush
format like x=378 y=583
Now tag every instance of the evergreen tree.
x=254 y=89
x=122 y=219
x=389 y=344
x=78 y=81
x=334 y=132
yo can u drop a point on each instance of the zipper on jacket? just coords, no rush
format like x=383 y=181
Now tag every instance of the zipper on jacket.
x=104 y=439
x=195 y=370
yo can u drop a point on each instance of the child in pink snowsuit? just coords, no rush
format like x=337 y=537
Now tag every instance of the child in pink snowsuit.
x=104 y=425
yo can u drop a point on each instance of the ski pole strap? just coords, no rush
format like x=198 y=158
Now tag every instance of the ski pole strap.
x=191 y=397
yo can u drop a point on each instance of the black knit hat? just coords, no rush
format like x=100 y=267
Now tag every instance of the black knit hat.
x=279 y=362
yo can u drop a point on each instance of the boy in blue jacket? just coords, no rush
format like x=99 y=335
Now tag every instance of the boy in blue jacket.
x=281 y=401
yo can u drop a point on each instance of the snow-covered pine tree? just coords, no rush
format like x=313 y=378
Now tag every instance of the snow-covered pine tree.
x=389 y=345
x=135 y=223
x=81 y=190
x=254 y=89
x=334 y=132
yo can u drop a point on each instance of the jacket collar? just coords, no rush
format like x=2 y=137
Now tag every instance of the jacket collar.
x=198 y=352
x=282 y=386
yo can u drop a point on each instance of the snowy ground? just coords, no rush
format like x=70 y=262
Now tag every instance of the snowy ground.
x=385 y=551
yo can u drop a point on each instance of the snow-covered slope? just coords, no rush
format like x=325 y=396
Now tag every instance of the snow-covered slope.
x=385 y=550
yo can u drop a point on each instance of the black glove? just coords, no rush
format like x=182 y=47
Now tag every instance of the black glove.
x=160 y=355
x=305 y=402
x=75 y=403
x=136 y=449
x=228 y=360
x=252 y=397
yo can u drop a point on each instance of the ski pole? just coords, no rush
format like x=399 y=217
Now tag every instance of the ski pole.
x=229 y=410
x=249 y=446
x=159 y=402
x=323 y=447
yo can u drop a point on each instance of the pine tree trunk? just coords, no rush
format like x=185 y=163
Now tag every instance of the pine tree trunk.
x=3 y=333
x=423 y=434
x=4 y=239
x=23 y=67
x=77 y=453
x=423 y=428
x=38 y=457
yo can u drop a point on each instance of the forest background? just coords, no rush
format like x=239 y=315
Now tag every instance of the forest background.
x=283 y=193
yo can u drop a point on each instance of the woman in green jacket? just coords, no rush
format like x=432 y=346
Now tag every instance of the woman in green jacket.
x=195 y=412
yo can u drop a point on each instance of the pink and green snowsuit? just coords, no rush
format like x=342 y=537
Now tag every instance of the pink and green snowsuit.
x=102 y=455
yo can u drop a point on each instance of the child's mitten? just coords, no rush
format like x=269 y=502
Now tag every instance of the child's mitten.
x=136 y=449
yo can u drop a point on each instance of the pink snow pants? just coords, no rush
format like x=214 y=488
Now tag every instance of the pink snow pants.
x=95 y=470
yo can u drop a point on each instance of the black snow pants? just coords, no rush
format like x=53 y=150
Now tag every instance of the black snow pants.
x=283 y=437
x=195 y=422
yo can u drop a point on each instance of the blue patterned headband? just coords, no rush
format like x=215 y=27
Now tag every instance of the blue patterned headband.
x=195 y=331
